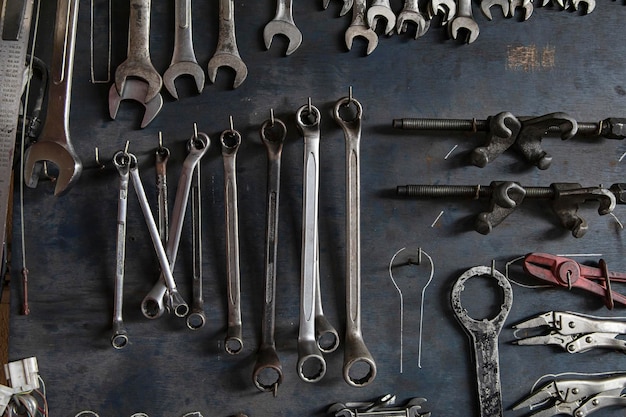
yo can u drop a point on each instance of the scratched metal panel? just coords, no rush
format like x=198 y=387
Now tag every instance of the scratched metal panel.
x=556 y=61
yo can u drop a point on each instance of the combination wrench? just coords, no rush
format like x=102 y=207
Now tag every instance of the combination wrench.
x=154 y=304
x=283 y=24
x=464 y=21
x=54 y=143
x=268 y=374
x=359 y=28
x=226 y=53
x=231 y=139
x=381 y=9
x=355 y=351
x=410 y=13
x=197 y=317
x=184 y=58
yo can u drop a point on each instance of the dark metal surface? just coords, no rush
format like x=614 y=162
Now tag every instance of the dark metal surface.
x=555 y=60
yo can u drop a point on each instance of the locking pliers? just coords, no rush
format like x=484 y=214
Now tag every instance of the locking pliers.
x=573 y=332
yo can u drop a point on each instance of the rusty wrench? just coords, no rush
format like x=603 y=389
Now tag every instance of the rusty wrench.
x=184 y=58
x=359 y=27
x=54 y=143
x=283 y=24
x=226 y=53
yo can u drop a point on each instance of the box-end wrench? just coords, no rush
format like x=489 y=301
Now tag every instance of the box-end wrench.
x=184 y=58
x=283 y=24
x=164 y=293
x=54 y=143
x=197 y=317
x=226 y=53
x=119 y=338
x=381 y=9
x=347 y=5
x=359 y=28
x=268 y=374
x=231 y=139
x=356 y=354
x=162 y=155
x=410 y=13
x=464 y=21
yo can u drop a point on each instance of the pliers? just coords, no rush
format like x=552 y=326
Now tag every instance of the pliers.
x=576 y=397
x=565 y=272
x=573 y=332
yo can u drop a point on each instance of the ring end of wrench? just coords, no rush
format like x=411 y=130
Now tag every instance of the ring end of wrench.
x=311 y=364
x=119 y=338
x=196 y=319
x=233 y=343
x=268 y=372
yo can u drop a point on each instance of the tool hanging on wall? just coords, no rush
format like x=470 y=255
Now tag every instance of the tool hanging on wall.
x=381 y=407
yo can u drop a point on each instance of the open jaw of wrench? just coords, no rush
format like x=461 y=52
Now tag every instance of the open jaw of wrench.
x=508 y=7
x=226 y=53
x=347 y=5
x=484 y=335
x=381 y=9
x=54 y=143
x=410 y=13
x=283 y=24
x=135 y=90
x=164 y=294
x=446 y=7
x=268 y=374
x=359 y=368
x=359 y=28
x=196 y=318
x=184 y=58
x=231 y=139
x=464 y=23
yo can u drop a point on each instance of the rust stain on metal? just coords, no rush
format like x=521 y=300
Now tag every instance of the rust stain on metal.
x=530 y=58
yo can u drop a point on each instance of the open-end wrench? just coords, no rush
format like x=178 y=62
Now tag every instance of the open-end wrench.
x=154 y=304
x=359 y=27
x=486 y=5
x=355 y=351
x=184 y=58
x=268 y=373
x=54 y=140
x=196 y=318
x=231 y=139
x=410 y=13
x=136 y=90
x=446 y=7
x=119 y=338
x=226 y=53
x=138 y=64
x=311 y=364
x=283 y=24
x=591 y=5
x=464 y=22
x=381 y=9
x=347 y=5
x=527 y=5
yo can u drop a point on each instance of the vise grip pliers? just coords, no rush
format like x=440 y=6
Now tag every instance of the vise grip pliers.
x=573 y=332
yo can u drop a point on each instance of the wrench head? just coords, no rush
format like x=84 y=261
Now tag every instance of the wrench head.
x=183 y=68
x=527 y=5
x=485 y=7
x=464 y=24
x=418 y=19
x=228 y=60
x=364 y=32
x=61 y=155
x=591 y=5
x=376 y=12
x=446 y=7
x=287 y=29
x=130 y=69
x=135 y=89
x=347 y=5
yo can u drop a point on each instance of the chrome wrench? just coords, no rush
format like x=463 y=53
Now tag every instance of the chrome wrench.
x=283 y=24
x=268 y=374
x=231 y=139
x=196 y=318
x=355 y=350
x=162 y=155
x=381 y=9
x=153 y=305
x=227 y=53
x=410 y=13
x=464 y=21
x=359 y=28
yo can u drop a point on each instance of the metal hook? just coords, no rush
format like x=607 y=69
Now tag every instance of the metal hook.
x=272 y=117
x=232 y=124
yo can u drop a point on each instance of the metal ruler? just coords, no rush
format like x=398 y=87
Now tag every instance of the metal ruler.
x=15 y=30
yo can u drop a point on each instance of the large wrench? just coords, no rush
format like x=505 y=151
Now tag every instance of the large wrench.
x=153 y=305
x=226 y=53
x=381 y=9
x=196 y=318
x=268 y=374
x=54 y=143
x=484 y=334
x=283 y=24
x=464 y=21
x=136 y=90
x=231 y=139
x=184 y=58
x=355 y=350
x=411 y=13
x=359 y=27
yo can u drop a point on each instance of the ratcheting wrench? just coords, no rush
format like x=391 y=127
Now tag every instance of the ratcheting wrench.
x=226 y=53
x=54 y=140
x=359 y=27
x=283 y=24
x=355 y=352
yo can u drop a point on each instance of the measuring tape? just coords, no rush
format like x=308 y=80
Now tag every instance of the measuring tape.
x=15 y=29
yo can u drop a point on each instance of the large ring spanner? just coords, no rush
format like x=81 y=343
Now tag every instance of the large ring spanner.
x=484 y=334
x=355 y=351
x=268 y=374
x=154 y=305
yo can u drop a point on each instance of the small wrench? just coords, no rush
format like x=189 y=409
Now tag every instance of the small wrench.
x=327 y=336
x=231 y=139
x=355 y=350
x=226 y=53
x=359 y=27
x=162 y=155
x=347 y=5
x=381 y=9
x=411 y=13
x=54 y=143
x=196 y=318
x=446 y=7
x=283 y=24
x=268 y=374
x=486 y=5
x=464 y=21
x=184 y=58
x=136 y=90
x=527 y=5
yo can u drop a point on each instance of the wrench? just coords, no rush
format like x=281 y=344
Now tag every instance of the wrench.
x=411 y=13
x=311 y=364
x=485 y=7
x=196 y=318
x=54 y=143
x=464 y=21
x=355 y=353
x=381 y=9
x=119 y=339
x=347 y=5
x=231 y=139
x=327 y=336
x=135 y=90
x=283 y=24
x=153 y=305
x=268 y=374
x=227 y=53
x=138 y=64
x=484 y=334
x=184 y=58
x=591 y=5
x=446 y=7
x=359 y=27
x=162 y=155
x=527 y=5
